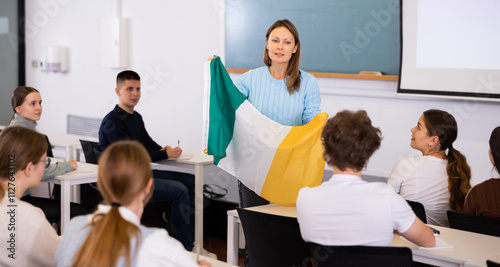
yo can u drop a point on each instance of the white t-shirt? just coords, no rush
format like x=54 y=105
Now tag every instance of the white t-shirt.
x=157 y=249
x=349 y=211
x=424 y=179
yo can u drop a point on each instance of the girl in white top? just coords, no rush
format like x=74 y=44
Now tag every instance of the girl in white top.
x=440 y=178
x=113 y=236
x=27 y=237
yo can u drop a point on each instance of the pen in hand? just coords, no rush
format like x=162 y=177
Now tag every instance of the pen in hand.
x=178 y=143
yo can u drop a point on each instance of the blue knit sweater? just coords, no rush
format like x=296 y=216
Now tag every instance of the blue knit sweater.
x=270 y=96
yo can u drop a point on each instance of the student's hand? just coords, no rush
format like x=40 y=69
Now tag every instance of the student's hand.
x=73 y=163
x=204 y=263
x=173 y=153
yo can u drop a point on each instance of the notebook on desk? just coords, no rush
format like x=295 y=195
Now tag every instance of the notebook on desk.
x=184 y=156
x=440 y=244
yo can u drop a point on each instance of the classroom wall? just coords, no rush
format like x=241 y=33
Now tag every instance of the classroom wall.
x=169 y=43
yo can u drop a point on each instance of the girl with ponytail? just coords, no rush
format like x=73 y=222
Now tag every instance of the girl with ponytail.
x=113 y=236
x=440 y=178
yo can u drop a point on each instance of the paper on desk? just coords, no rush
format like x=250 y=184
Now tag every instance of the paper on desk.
x=184 y=156
x=440 y=244
x=83 y=168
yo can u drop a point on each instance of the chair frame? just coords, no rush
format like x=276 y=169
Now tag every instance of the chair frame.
x=419 y=210
x=360 y=256
x=474 y=223
x=273 y=240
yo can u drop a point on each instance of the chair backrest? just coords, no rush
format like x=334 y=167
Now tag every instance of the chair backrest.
x=88 y=151
x=418 y=209
x=360 y=256
x=273 y=240
x=97 y=153
x=474 y=223
x=49 y=147
x=492 y=264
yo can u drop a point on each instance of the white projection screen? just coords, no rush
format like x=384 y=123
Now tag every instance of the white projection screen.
x=450 y=48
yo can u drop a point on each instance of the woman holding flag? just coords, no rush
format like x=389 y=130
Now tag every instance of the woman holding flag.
x=279 y=90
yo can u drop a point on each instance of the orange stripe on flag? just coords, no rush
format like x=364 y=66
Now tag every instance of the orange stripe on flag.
x=298 y=162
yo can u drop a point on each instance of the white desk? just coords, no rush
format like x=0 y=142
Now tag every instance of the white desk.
x=469 y=249
x=85 y=173
x=199 y=161
x=68 y=142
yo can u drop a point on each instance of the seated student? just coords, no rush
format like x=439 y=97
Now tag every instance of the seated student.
x=484 y=198
x=26 y=236
x=346 y=210
x=124 y=123
x=27 y=106
x=440 y=178
x=113 y=236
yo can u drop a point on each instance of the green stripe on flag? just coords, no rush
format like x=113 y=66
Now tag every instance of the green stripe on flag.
x=225 y=99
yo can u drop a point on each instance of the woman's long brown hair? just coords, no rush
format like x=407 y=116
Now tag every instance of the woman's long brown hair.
x=293 y=73
x=443 y=125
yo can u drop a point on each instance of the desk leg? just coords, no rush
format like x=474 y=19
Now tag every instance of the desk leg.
x=69 y=152
x=198 y=207
x=65 y=204
x=232 y=240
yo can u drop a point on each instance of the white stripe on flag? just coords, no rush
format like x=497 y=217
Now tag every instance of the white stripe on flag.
x=254 y=144
x=206 y=107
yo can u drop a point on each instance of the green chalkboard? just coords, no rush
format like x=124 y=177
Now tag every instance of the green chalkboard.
x=338 y=36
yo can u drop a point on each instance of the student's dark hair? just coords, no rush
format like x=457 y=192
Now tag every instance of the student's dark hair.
x=495 y=147
x=349 y=140
x=18 y=146
x=18 y=97
x=292 y=71
x=124 y=172
x=443 y=125
x=126 y=75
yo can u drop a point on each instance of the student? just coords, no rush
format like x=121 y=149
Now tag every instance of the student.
x=484 y=198
x=124 y=123
x=440 y=178
x=27 y=106
x=279 y=90
x=113 y=236
x=347 y=210
x=27 y=237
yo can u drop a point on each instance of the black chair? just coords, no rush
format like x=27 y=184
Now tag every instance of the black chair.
x=90 y=196
x=474 y=223
x=360 y=256
x=492 y=264
x=418 y=209
x=273 y=240
x=97 y=153
x=49 y=147
x=88 y=151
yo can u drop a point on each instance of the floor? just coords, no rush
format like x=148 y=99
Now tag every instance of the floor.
x=219 y=246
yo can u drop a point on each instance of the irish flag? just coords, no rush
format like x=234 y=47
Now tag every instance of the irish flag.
x=273 y=160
